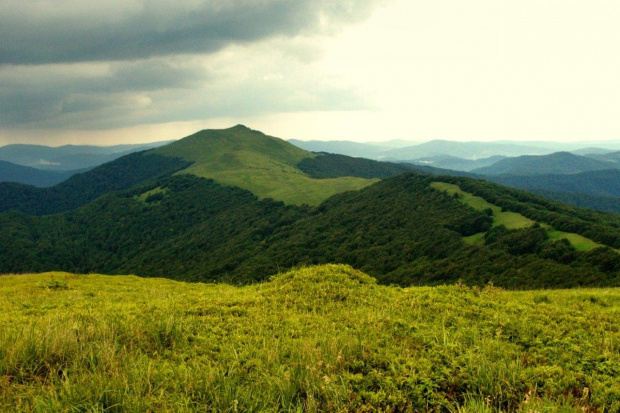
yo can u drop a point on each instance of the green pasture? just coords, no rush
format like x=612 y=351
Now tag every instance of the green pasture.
x=511 y=220
x=264 y=165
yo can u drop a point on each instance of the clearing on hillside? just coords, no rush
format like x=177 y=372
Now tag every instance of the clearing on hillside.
x=511 y=220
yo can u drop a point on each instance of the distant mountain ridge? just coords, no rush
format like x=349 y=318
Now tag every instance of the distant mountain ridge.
x=558 y=163
x=363 y=150
x=599 y=183
x=10 y=172
x=467 y=150
x=456 y=163
x=69 y=157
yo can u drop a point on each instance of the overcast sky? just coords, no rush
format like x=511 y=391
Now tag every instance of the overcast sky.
x=120 y=71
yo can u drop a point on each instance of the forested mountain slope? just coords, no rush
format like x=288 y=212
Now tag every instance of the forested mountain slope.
x=262 y=164
x=599 y=183
x=559 y=163
x=400 y=230
x=69 y=157
x=82 y=188
x=10 y=172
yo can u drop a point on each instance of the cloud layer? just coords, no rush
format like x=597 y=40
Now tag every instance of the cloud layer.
x=46 y=31
x=93 y=64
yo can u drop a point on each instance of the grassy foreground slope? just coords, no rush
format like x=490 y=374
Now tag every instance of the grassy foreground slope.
x=317 y=339
x=262 y=164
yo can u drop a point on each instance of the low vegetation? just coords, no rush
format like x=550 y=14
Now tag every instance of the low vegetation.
x=510 y=220
x=322 y=338
x=264 y=165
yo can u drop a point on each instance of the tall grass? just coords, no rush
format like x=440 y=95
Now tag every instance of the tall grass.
x=317 y=339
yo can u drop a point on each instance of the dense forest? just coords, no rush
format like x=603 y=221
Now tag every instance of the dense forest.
x=399 y=230
x=596 y=202
x=599 y=183
x=82 y=188
x=10 y=172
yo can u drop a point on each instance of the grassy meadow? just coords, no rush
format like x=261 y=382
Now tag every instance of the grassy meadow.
x=511 y=220
x=262 y=164
x=322 y=338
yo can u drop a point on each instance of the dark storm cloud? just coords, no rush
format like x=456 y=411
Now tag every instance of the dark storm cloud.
x=56 y=31
x=39 y=93
x=92 y=64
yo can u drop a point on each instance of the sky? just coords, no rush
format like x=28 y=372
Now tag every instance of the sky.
x=128 y=71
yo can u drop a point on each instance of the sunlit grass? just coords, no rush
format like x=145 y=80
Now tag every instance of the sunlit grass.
x=264 y=165
x=511 y=220
x=319 y=339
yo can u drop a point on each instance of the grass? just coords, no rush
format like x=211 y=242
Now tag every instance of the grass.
x=580 y=243
x=510 y=220
x=149 y=195
x=262 y=164
x=317 y=339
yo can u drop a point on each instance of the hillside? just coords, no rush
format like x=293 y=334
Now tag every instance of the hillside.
x=357 y=149
x=413 y=228
x=599 y=183
x=68 y=157
x=262 y=164
x=316 y=339
x=10 y=172
x=82 y=188
x=456 y=163
x=559 y=163
x=613 y=157
x=238 y=156
x=467 y=150
x=400 y=230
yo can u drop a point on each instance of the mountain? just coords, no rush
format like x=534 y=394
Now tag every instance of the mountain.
x=592 y=151
x=82 y=188
x=264 y=165
x=612 y=157
x=467 y=150
x=559 y=163
x=600 y=183
x=10 y=172
x=238 y=156
x=226 y=205
x=401 y=230
x=364 y=150
x=456 y=163
x=69 y=157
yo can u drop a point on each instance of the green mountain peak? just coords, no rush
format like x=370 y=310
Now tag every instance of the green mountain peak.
x=262 y=164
